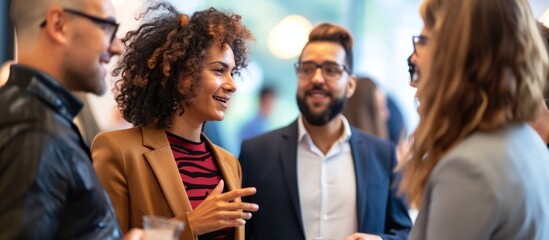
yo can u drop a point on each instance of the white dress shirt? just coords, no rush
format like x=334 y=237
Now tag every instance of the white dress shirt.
x=327 y=186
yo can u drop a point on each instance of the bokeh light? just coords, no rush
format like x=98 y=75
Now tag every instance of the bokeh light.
x=288 y=37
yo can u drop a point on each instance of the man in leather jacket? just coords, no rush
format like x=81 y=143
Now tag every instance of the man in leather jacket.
x=48 y=186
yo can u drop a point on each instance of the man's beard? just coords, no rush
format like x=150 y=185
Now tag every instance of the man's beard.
x=336 y=107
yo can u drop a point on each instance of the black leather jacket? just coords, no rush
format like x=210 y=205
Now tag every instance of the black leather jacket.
x=48 y=187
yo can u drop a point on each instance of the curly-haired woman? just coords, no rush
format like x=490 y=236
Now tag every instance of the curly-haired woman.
x=477 y=169
x=176 y=74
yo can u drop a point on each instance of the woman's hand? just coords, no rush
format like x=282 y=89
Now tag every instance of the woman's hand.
x=363 y=236
x=219 y=210
x=135 y=234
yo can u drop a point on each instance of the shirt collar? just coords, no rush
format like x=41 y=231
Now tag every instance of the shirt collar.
x=302 y=131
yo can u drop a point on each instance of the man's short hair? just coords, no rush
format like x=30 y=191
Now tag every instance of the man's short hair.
x=327 y=32
x=27 y=14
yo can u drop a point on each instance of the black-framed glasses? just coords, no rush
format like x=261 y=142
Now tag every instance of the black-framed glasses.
x=412 y=69
x=330 y=70
x=109 y=25
x=419 y=40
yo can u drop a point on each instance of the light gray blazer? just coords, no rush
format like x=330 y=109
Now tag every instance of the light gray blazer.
x=491 y=186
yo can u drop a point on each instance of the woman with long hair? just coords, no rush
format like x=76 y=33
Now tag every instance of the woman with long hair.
x=476 y=168
x=367 y=108
x=176 y=74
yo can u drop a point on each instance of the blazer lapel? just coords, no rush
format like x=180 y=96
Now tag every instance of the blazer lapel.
x=360 y=157
x=226 y=171
x=165 y=170
x=231 y=178
x=288 y=157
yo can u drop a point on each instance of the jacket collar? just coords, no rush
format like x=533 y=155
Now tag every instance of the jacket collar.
x=288 y=157
x=163 y=164
x=303 y=133
x=362 y=154
x=46 y=89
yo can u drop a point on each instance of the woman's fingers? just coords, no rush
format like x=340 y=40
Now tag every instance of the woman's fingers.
x=232 y=195
x=238 y=206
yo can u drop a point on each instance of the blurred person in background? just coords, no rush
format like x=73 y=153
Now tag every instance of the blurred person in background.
x=319 y=177
x=476 y=169
x=367 y=108
x=258 y=124
x=176 y=73
x=395 y=124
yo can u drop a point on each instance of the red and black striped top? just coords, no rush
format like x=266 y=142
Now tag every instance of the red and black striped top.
x=199 y=173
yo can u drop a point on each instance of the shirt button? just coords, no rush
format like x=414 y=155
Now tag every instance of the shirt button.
x=324 y=217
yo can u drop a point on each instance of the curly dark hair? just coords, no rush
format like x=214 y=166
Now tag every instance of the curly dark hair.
x=160 y=71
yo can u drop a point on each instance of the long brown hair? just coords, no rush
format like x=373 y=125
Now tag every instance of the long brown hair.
x=362 y=111
x=545 y=34
x=489 y=68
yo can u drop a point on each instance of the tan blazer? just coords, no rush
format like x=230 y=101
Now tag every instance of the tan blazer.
x=137 y=168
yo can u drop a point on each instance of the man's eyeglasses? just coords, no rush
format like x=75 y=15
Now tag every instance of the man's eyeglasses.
x=108 y=25
x=419 y=41
x=330 y=70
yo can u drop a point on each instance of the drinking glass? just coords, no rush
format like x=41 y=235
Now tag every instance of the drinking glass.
x=161 y=228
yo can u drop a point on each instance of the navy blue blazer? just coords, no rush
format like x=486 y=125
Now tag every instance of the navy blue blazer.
x=269 y=163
